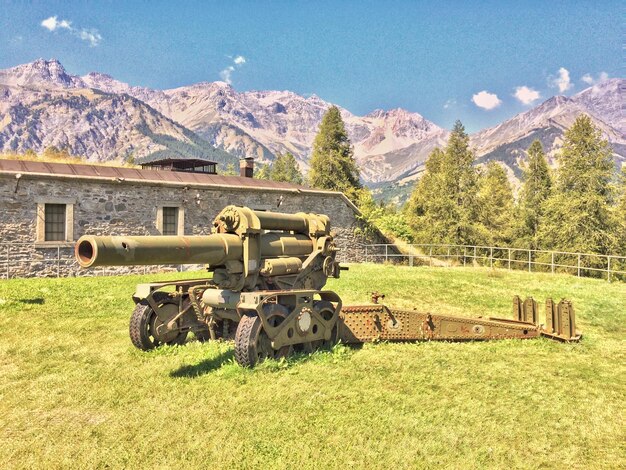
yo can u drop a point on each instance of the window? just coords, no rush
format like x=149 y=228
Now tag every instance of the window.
x=170 y=221
x=54 y=220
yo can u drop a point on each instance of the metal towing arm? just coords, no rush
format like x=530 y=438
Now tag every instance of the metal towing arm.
x=375 y=322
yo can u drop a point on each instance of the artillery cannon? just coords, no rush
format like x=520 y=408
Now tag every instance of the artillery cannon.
x=269 y=270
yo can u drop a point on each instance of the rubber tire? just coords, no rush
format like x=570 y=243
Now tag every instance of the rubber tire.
x=245 y=352
x=249 y=328
x=140 y=324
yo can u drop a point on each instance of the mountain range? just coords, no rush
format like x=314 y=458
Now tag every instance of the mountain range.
x=101 y=118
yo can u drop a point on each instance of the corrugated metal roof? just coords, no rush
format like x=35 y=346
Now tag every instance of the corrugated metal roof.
x=149 y=176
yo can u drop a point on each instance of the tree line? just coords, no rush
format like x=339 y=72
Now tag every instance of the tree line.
x=579 y=206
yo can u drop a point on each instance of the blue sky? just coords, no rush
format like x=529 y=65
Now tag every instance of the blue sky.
x=442 y=59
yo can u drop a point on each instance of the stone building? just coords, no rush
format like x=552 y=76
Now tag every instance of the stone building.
x=46 y=207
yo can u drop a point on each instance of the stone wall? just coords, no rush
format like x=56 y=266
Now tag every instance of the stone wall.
x=130 y=208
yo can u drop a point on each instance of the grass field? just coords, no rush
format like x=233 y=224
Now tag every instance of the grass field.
x=75 y=393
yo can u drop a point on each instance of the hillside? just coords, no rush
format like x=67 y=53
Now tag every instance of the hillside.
x=42 y=106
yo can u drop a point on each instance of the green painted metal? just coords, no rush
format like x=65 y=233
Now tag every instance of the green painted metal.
x=269 y=270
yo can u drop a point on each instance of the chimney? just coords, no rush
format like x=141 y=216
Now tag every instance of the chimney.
x=246 y=167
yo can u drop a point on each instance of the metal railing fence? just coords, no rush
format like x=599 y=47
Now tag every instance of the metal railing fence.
x=612 y=267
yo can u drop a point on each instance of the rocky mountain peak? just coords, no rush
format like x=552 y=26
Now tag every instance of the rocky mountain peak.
x=557 y=100
x=104 y=82
x=47 y=73
x=605 y=100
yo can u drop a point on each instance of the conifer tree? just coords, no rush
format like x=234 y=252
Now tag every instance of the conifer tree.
x=578 y=214
x=496 y=205
x=332 y=160
x=443 y=206
x=263 y=172
x=285 y=168
x=230 y=170
x=535 y=190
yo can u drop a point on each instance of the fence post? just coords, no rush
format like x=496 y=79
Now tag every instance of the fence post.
x=509 y=259
x=430 y=256
x=386 y=253
x=552 y=262
x=58 y=261
x=608 y=270
x=474 y=260
x=491 y=256
x=464 y=255
x=578 y=264
x=530 y=270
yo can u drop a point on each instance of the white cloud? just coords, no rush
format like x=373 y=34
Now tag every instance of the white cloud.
x=486 y=100
x=589 y=80
x=92 y=36
x=227 y=73
x=53 y=23
x=526 y=95
x=449 y=104
x=562 y=82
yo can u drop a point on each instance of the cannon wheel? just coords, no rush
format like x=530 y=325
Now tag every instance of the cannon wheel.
x=252 y=345
x=144 y=323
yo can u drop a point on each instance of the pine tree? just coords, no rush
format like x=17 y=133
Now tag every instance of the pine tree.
x=443 y=205
x=230 y=170
x=332 y=160
x=496 y=205
x=430 y=210
x=536 y=185
x=263 y=172
x=578 y=214
x=285 y=168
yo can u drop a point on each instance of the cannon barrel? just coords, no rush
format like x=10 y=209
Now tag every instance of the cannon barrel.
x=214 y=250
x=276 y=221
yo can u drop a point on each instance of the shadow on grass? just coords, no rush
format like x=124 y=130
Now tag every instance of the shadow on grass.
x=35 y=301
x=204 y=367
x=208 y=366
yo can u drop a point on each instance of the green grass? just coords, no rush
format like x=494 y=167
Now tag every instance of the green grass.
x=75 y=393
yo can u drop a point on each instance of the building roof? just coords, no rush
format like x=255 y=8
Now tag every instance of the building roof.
x=186 y=161
x=167 y=178
x=136 y=174
x=156 y=160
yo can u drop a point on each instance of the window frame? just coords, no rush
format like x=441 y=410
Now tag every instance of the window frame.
x=40 y=226
x=180 y=218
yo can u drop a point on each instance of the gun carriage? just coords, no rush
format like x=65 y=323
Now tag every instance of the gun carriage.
x=266 y=290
